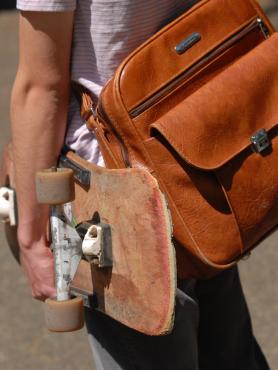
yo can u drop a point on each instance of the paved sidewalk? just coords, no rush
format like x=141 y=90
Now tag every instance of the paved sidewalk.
x=26 y=344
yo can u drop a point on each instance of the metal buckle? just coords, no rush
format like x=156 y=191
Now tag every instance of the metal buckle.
x=260 y=141
x=263 y=28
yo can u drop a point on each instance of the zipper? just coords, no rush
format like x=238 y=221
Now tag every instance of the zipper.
x=256 y=23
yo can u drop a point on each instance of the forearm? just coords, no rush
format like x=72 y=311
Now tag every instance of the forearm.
x=39 y=106
x=38 y=117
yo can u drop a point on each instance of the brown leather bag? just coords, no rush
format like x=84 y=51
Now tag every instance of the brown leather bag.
x=197 y=105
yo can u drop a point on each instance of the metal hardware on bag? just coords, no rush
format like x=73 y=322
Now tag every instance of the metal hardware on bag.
x=256 y=23
x=93 y=111
x=82 y=175
x=263 y=28
x=188 y=43
x=260 y=141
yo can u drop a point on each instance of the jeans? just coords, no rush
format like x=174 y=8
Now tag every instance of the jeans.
x=212 y=331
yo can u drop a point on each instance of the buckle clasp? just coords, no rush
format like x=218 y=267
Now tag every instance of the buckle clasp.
x=260 y=141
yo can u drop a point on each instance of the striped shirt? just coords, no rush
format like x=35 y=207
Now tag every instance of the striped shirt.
x=105 y=32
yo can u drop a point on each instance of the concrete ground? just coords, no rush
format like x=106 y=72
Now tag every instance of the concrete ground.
x=24 y=341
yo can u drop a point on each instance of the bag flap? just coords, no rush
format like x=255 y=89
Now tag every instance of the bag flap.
x=213 y=20
x=216 y=122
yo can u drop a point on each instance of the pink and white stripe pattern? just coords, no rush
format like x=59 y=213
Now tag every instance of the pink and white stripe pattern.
x=105 y=32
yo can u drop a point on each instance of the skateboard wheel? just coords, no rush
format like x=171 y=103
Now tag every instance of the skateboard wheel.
x=64 y=316
x=55 y=186
x=11 y=236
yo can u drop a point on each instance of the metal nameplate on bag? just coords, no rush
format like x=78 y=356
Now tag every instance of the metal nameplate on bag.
x=260 y=141
x=188 y=42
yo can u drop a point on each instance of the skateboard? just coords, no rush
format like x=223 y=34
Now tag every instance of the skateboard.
x=111 y=238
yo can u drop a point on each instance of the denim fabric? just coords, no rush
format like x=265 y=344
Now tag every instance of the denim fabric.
x=212 y=331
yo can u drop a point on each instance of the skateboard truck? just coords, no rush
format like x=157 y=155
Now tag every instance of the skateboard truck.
x=7 y=205
x=56 y=187
x=129 y=291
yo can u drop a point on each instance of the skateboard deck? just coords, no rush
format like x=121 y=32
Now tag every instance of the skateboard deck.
x=139 y=289
x=135 y=282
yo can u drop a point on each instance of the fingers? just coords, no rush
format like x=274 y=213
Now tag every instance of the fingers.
x=41 y=293
x=37 y=262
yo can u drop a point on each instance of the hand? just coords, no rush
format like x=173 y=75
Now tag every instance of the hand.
x=37 y=262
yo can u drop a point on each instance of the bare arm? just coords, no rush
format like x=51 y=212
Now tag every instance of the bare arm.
x=39 y=105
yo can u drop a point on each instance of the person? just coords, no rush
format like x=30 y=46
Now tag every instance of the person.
x=84 y=41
